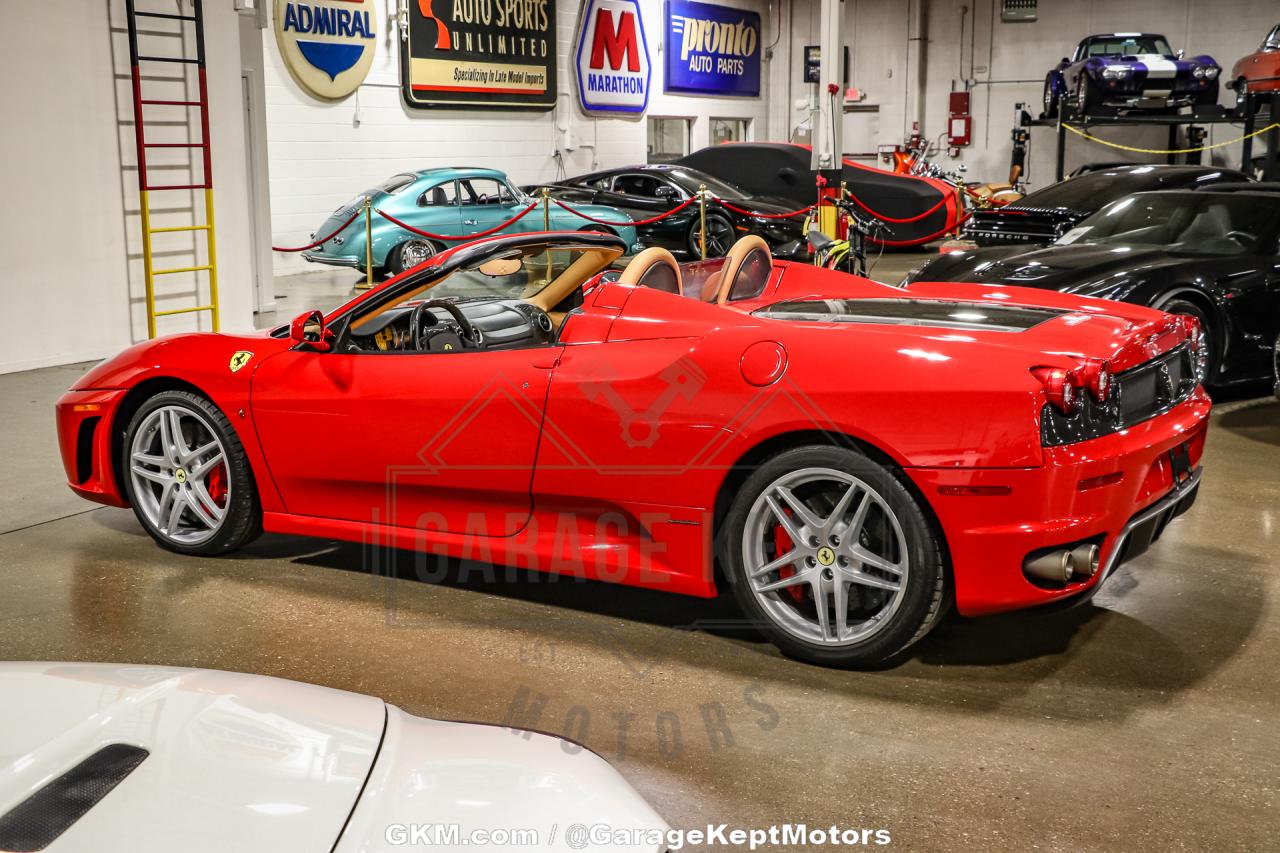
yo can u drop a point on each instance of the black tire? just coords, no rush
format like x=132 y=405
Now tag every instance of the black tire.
x=1190 y=309
x=1051 y=99
x=717 y=223
x=1088 y=98
x=242 y=521
x=1275 y=366
x=924 y=595
x=396 y=261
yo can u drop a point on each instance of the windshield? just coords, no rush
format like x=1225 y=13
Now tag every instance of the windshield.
x=1272 y=41
x=520 y=273
x=717 y=187
x=1182 y=223
x=1127 y=46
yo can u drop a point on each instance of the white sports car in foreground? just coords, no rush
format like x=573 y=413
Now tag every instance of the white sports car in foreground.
x=97 y=757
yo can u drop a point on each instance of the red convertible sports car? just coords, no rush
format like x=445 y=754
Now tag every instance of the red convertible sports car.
x=852 y=458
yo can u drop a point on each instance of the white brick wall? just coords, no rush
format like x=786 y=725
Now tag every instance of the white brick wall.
x=320 y=159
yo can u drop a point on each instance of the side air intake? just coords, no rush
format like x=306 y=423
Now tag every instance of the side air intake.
x=37 y=821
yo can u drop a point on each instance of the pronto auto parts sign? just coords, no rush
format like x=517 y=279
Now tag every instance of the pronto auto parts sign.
x=327 y=45
x=712 y=50
x=612 y=57
x=488 y=54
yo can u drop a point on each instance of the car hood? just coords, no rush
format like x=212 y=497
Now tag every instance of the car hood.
x=235 y=762
x=251 y=763
x=1072 y=267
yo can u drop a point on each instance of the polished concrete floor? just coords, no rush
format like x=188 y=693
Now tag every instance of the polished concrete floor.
x=1149 y=720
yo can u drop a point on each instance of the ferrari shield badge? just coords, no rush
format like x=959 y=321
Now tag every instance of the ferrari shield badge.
x=239 y=359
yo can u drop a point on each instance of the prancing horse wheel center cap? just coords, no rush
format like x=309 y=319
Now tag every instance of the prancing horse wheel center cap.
x=180 y=475
x=826 y=556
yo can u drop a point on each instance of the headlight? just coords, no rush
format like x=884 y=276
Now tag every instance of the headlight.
x=1205 y=72
x=1116 y=72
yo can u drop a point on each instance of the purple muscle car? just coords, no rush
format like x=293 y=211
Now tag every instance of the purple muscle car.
x=1133 y=70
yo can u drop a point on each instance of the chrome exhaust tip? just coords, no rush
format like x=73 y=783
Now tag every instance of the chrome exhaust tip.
x=1085 y=560
x=1054 y=567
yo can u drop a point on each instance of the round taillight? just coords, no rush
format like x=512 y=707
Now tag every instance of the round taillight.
x=1096 y=376
x=1060 y=388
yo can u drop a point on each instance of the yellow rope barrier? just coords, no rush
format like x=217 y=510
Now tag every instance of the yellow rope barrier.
x=1082 y=133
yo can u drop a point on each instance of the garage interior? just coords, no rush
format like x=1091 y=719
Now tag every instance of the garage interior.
x=1144 y=719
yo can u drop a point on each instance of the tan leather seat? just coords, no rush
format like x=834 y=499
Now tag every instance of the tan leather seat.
x=654 y=267
x=746 y=270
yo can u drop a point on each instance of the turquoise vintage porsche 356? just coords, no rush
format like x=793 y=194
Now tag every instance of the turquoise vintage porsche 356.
x=453 y=202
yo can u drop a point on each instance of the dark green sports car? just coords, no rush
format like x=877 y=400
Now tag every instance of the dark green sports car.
x=644 y=192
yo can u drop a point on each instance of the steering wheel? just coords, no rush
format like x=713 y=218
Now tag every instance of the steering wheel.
x=1244 y=238
x=423 y=334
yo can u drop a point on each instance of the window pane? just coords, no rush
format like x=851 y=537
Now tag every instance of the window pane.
x=668 y=139
x=728 y=130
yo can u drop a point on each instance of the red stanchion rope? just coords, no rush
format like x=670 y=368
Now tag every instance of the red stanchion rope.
x=764 y=215
x=648 y=221
x=919 y=241
x=494 y=230
x=322 y=240
x=891 y=219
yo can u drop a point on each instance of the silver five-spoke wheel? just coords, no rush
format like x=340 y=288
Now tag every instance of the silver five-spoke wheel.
x=178 y=470
x=825 y=556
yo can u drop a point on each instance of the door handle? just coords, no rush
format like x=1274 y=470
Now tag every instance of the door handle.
x=471 y=222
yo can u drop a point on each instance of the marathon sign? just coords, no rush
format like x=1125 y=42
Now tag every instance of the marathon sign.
x=612 y=58
x=712 y=50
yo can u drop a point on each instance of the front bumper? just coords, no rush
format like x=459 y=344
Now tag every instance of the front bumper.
x=1105 y=491
x=86 y=422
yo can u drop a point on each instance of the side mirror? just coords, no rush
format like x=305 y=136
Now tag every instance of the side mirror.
x=309 y=329
x=665 y=191
x=1181 y=52
x=1066 y=61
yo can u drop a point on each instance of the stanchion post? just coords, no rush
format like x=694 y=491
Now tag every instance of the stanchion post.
x=546 y=209
x=368 y=243
x=702 y=219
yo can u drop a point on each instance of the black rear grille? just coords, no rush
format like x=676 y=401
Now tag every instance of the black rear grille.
x=1018 y=226
x=1138 y=394
x=37 y=821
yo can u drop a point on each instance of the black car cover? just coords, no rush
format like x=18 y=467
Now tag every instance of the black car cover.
x=782 y=169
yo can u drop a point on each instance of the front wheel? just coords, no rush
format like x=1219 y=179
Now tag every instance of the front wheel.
x=187 y=476
x=1088 y=98
x=720 y=235
x=833 y=558
x=1050 y=98
x=1206 y=365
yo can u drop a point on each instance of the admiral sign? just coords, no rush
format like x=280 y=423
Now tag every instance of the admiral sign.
x=469 y=54
x=327 y=45
x=612 y=57
x=712 y=50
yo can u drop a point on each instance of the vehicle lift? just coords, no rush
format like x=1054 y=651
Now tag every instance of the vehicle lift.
x=1194 y=121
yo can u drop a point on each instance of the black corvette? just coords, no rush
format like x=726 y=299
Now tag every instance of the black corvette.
x=1046 y=214
x=644 y=192
x=1212 y=253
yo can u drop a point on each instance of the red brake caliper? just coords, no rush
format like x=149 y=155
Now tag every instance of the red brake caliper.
x=782 y=544
x=217 y=484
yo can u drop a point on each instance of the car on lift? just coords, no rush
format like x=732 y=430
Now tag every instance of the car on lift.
x=645 y=192
x=853 y=457
x=454 y=203
x=152 y=759
x=1258 y=71
x=1046 y=214
x=1212 y=254
x=1129 y=70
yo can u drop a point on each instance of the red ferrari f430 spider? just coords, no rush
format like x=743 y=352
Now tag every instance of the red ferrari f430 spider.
x=851 y=458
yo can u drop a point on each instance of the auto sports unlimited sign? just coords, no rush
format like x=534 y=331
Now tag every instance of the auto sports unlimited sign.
x=480 y=54
x=327 y=45
x=712 y=50
x=612 y=57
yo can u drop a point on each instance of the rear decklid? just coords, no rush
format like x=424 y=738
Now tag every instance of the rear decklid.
x=221 y=761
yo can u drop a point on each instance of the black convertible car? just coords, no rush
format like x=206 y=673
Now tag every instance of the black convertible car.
x=1045 y=215
x=644 y=192
x=1211 y=253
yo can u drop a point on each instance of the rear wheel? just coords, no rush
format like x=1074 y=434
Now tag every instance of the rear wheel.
x=1207 y=362
x=409 y=254
x=187 y=476
x=832 y=558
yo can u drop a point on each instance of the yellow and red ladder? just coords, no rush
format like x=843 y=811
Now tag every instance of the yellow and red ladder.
x=146 y=187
